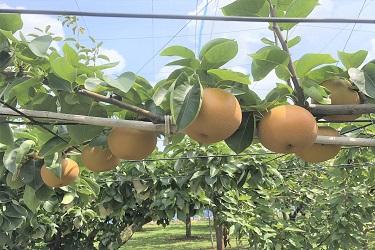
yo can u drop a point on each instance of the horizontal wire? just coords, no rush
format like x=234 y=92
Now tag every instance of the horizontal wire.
x=189 y=17
x=201 y=157
x=214 y=33
x=168 y=36
x=44 y=123
x=305 y=169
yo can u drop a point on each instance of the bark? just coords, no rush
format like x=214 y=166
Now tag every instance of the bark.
x=219 y=233
x=188 y=226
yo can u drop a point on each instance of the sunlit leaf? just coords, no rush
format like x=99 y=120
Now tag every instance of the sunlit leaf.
x=310 y=61
x=229 y=75
x=40 y=45
x=267 y=59
x=352 y=60
x=178 y=51
x=11 y=22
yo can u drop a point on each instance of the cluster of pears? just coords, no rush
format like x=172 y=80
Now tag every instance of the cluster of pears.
x=218 y=118
x=284 y=129
x=292 y=129
x=123 y=143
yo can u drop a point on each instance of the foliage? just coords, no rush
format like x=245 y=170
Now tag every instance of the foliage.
x=269 y=203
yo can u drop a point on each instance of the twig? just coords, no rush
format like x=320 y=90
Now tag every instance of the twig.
x=153 y=117
x=297 y=86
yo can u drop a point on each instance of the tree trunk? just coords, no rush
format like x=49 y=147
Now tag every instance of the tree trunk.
x=219 y=233
x=209 y=225
x=188 y=226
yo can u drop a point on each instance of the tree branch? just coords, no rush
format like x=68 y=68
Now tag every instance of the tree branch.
x=355 y=109
x=87 y=120
x=292 y=70
x=100 y=98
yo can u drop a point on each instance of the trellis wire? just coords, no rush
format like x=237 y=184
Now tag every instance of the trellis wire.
x=188 y=17
x=354 y=166
x=169 y=41
x=355 y=24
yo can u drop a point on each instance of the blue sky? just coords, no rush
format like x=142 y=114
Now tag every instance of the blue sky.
x=134 y=41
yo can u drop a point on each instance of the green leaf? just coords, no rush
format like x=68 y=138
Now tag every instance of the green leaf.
x=68 y=198
x=58 y=83
x=4 y=43
x=324 y=73
x=218 y=52
x=30 y=199
x=229 y=75
x=70 y=54
x=243 y=137
x=267 y=41
x=43 y=102
x=85 y=132
x=191 y=104
x=198 y=174
x=30 y=173
x=21 y=90
x=16 y=211
x=64 y=69
x=5 y=59
x=283 y=72
x=179 y=89
x=298 y=8
x=106 y=66
x=40 y=45
x=11 y=22
x=10 y=224
x=210 y=180
x=55 y=144
x=364 y=79
x=315 y=91
x=310 y=61
x=95 y=84
x=280 y=92
x=294 y=229
x=178 y=51
x=267 y=59
x=246 y=8
x=294 y=41
x=13 y=183
x=13 y=157
x=352 y=60
x=124 y=82
x=6 y=134
x=186 y=62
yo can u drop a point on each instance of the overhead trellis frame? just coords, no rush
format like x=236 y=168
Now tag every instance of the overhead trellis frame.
x=188 y=17
x=157 y=124
x=157 y=128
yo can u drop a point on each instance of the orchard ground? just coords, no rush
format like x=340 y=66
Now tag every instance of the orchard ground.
x=154 y=236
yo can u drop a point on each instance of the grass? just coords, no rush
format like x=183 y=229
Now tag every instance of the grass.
x=153 y=236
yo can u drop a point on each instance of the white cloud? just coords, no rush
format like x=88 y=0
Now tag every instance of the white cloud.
x=114 y=56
